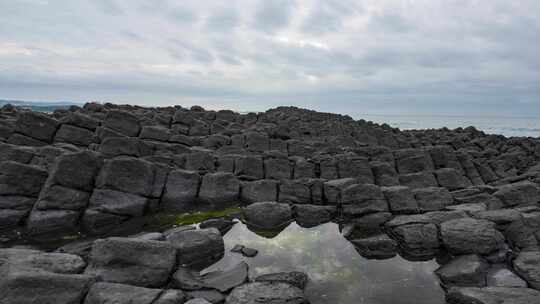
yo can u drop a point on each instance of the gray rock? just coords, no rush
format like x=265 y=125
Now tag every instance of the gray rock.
x=268 y=215
x=256 y=141
x=400 y=199
x=418 y=180
x=417 y=239
x=452 y=179
x=412 y=161
x=123 y=122
x=376 y=247
x=104 y=293
x=384 y=173
x=432 y=198
x=313 y=215
x=113 y=260
x=259 y=191
x=333 y=188
x=20 y=179
x=219 y=188
x=200 y=160
x=52 y=221
x=180 y=190
x=96 y=222
x=125 y=146
x=295 y=278
x=127 y=174
x=519 y=194
x=187 y=279
x=42 y=261
x=80 y=120
x=116 y=202
x=59 y=197
x=197 y=301
x=527 y=265
x=197 y=248
x=466 y=270
x=492 y=295
x=171 y=296
x=211 y=295
x=249 y=167
x=76 y=170
x=266 y=293
x=277 y=168
x=226 y=279
x=467 y=235
x=355 y=167
x=155 y=133
x=362 y=199
x=74 y=135
x=500 y=276
x=295 y=192
x=36 y=125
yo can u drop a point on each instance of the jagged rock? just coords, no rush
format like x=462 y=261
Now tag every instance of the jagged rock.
x=259 y=191
x=467 y=235
x=465 y=270
x=197 y=248
x=268 y=215
x=180 y=190
x=219 y=188
x=295 y=278
x=432 y=198
x=400 y=199
x=527 y=265
x=266 y=293
x=492 y=295
x=113 y=260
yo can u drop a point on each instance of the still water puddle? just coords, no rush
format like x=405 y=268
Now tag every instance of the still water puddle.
x=338 y=274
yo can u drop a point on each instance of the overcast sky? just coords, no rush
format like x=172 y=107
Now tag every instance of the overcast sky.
x=381 y=57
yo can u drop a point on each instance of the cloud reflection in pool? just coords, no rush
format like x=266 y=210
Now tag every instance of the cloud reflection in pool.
x=338 y=274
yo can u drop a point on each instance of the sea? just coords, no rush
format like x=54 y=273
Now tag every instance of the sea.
x=507 y=126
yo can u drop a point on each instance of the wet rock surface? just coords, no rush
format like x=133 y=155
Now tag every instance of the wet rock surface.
x=93 y=171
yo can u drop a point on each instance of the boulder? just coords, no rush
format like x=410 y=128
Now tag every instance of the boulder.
x=52 y=222
x=400 y=199
x=127 y=174
x=80 y=120
x=467 y=235
x=219 y=188
x=197 y=248
x=59 y=197
x=95 y=222
x=74 y=135
x=268 y=215
x=180 y=190
x=256 y=141
x=359 y=199
x=35 y=260
x=226 y=279
x=466 y=270
x=294 y=191
x=125 y=146
x=36 y=125
x=113 y=260
x=155 y=133
x=333 y=189
x=355 y=167
x=249 y=167
x=527 y=265
x=432 y=198
x=200 y=160
x=303 y=169
x=266 y=293
x=417 y=239
x=259 y=191
x=412 y=161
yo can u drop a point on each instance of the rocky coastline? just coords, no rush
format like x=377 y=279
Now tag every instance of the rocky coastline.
x=469 y=199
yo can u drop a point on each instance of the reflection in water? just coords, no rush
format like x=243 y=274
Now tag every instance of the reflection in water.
x=338 y=274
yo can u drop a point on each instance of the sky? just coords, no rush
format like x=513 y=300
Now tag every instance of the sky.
x=445 y=57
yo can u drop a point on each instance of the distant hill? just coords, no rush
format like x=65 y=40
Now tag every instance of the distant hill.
x=42 y=106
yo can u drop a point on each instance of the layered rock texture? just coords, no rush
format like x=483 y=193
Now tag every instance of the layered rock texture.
x=464 y=194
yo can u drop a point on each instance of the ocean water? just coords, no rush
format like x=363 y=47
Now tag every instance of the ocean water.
x=507 y=126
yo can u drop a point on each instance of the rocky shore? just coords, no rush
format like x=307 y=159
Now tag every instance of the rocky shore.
x=469 y=199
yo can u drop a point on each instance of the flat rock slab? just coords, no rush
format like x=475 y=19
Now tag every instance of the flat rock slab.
x=224 y=280
x=492 y=295
x=527 y=265
x=266 y=293
x=132 y=261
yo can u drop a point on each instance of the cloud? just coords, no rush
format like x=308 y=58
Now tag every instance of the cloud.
x=335 y=55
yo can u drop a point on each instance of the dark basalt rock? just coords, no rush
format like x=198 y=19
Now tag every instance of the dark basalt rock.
x=466 y=270
x=467 y=235
x=295 y=278
x=197 y=248
x=268 y=215
x=266 y=293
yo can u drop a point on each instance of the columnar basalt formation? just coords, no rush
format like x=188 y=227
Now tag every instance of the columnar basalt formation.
x=468 y=195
